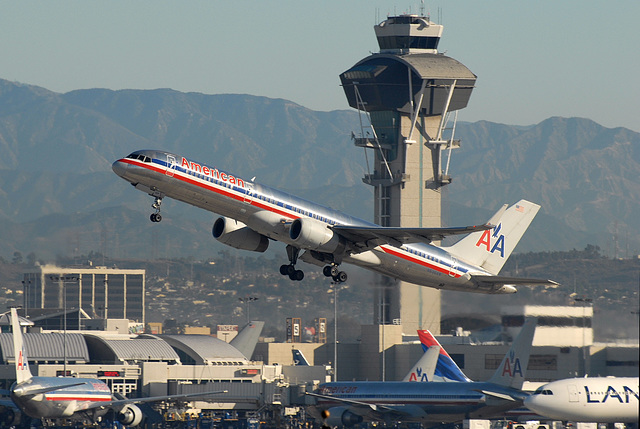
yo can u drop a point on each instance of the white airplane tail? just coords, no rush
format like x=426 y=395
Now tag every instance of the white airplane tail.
x=491 y=248
x=23 y=373
x=512 y=369
x=425 y=368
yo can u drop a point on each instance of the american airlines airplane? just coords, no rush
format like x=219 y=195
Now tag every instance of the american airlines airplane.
x=589 y=399
x=72 y=398
x=350 y=403
x=252 y=214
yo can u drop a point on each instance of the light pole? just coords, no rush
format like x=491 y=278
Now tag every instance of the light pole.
x=247 y=300
x=335 y=330
x=335 y=286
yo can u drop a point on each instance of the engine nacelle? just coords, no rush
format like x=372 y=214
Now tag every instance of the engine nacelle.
x=312 y=234
x=10 y=416
x=236 y=234
x=341 y=416
x=130 y=415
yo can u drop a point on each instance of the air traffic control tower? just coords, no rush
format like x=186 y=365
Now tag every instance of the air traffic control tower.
x=408 y=96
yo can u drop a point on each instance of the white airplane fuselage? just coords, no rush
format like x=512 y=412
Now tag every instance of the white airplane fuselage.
x=63 y=401
x=269 y=212
x=589 y=399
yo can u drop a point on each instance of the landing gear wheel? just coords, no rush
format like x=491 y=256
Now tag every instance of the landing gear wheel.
x=297 y=275
x=330 y=271
x=284 y=270
x=155 y=217
x=341 y=277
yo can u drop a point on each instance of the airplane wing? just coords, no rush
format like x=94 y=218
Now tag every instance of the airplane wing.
x=507 y=397
x=120 y=402
x=376 y=411
x=369 y=237
x=504 y=280
x=373 y=407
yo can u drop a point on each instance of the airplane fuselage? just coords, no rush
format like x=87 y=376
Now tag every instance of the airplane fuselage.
x=270 y=213
x=63 y=401
x=590 y=399
x=423 y=402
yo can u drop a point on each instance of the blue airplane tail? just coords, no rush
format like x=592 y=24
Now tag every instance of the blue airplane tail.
x=298 y=358
x=446 y=368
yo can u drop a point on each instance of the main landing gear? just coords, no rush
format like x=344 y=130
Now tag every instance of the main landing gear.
x=297 y=275
x=333 y=272
x=290 y=270
x=156 y=217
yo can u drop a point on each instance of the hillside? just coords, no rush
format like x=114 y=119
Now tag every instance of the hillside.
x=59 y=196
x=206 y=292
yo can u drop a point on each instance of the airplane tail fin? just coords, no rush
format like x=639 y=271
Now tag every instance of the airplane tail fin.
x=491 y=248
x=298 y=358
x=446 y=368
x=23 y=373
x=247 y=338
x=512 y=369
x=425 y=368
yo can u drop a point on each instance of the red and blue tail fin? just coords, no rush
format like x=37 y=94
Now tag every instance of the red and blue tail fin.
x=446 y=368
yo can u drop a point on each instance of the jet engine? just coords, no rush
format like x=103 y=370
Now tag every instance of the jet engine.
x=10 y=416
x=130 y=415
x=312 y=234
x=341 y=416
x=236 y=234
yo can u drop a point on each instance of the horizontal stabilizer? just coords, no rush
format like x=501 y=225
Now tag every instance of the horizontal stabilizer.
x=504 y=280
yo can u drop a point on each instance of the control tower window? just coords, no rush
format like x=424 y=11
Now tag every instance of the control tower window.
x=408 y=42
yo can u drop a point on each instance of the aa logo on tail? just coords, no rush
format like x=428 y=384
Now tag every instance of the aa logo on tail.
x=418 y=375
x=22 y=363
x=512 y=366
x=498 y=240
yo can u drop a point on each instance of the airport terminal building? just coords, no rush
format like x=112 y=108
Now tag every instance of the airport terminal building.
x=265 y=377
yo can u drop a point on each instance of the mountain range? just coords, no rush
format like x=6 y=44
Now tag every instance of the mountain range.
x=59 y=195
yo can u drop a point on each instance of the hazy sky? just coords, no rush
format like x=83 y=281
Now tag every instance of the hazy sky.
x=533 y=59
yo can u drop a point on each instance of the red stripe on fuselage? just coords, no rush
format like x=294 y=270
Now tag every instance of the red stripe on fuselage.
x=401 y=255
x=78 y=398
x=211 y=188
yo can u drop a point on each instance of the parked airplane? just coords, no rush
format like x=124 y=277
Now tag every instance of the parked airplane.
x=350 y=403
x=589 y=399
x=252 y=214
x=69 y=397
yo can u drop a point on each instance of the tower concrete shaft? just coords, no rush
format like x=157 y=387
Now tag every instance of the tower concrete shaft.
x=406 y=92
x=413 y=200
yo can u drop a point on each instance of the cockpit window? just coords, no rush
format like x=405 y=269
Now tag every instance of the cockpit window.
x=139 y=157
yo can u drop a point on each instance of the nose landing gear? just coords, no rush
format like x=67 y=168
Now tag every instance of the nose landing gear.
x=156 y=217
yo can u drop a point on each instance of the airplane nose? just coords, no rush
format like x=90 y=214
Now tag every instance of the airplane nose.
x=119 y=168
